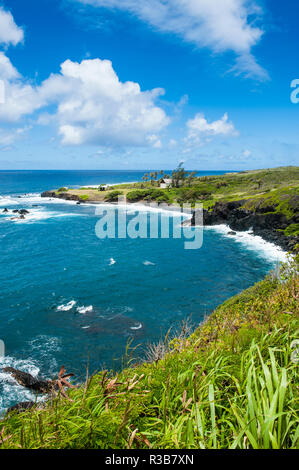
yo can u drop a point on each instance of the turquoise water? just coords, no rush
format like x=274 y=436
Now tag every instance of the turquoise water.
x=63 y=301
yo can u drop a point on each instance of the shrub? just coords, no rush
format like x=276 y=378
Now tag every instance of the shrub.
x=62 y=190
x=113 y=196
x=192 y=195
x=221 y=184
x=147 y=195
x=164 y=198
x=137 y=195
x=292 y=230
x=84 y=197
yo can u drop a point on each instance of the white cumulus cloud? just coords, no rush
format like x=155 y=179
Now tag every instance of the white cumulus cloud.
x=10 y=33
x=95 y=107
x=86 y=101
x=199 y=128
x=92 y=105
x=221 y=25
x=7 y=137
x=20 y=97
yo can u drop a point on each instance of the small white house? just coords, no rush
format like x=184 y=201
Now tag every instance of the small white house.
x=165 y=183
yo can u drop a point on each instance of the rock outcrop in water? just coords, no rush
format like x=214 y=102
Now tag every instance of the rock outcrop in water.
x=263 y=221
x=28 y=381
x=21 y=212
x=61 y=195
x=38 y=385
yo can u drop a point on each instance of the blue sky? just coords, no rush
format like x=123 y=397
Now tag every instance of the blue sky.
x=120 y=84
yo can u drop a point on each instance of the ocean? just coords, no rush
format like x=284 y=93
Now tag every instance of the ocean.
x=69 y=298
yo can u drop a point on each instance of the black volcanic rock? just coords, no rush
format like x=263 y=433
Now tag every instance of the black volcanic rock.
x=69 y=197
x=66 y=196
x=28 y=381
x=263 y=222
x=48 y=194
x=243 y=224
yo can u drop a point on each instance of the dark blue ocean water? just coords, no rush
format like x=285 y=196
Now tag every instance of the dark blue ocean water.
x=69 y=298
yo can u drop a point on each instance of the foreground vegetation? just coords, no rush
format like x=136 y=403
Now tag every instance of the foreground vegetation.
x=233 y=383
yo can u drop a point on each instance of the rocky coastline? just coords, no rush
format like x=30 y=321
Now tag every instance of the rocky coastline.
x=263 y=222
x=61 y=195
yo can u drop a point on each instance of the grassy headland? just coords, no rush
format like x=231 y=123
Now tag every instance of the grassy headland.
x=274 y=193
x=277 y=184
x=232 y=384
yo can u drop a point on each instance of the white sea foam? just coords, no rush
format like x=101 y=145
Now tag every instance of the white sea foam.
x=31 y=198
x=253 y=242
x=138 y=327
x=85 y=309
x=46 y=348
x=36 y=216
x=148 y=263
x=35 y=213
x=66 y=307
x=45 y=345
x=7 y=201
x=27 y=200
x=10 y=389
x=35 y=198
